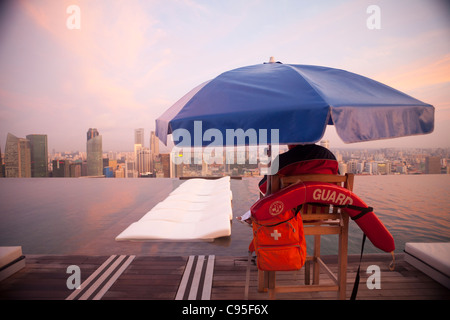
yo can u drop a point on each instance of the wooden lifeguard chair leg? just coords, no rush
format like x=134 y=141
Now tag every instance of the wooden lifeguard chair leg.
x=316 y=265
x=262 y=281
x=307 y=272
x=271 y=284
x=342 y=257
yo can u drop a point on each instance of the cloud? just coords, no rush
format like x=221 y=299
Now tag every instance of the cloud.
x=421 y=73
x=132 y=59
x=102 y=62
x=114 y=39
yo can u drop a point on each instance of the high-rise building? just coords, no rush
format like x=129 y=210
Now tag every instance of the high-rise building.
x=130 y=171
x=384 y=167
x=94 y=153
x=166 y=163
x=2 y=174
x=143 y=160
x=17 y=157
x=368 y=167
x=75 y=170
x=61 y=168
x=154 y=150
x=141 y=154
x=120 y=171
x=139 y=136
x=342 y=168
x=154 y=144
x=39 y=155
x=433 y=165
x=351 y=166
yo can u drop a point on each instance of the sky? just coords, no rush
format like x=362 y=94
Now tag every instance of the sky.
x=130 y=60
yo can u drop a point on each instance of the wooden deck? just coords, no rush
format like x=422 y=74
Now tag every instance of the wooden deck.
x=197 y=277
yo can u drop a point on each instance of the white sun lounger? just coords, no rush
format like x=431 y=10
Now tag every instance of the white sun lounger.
x=433 y=259
x=199 y=209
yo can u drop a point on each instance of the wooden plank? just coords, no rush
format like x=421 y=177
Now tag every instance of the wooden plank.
x=319 y=216
x=327 y=271
x=321 y=230
x=310 y=288
x=228 y=279
x=313 y=177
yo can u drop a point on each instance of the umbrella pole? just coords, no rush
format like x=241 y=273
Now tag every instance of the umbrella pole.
x=269 y=176
x=273 y=181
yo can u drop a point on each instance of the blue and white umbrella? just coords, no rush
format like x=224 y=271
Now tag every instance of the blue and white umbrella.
x=299 y=101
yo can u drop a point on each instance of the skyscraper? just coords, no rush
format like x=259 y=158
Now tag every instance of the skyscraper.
x=39 y=155
x=154 y=144
x=433 y=165
x=94 y=153
x=143 y=161
x=61 y=168
x=139 y=158
x=17 y=157
x=139 y=136
x=165 y=160
x=2 y=174
x=154 y=149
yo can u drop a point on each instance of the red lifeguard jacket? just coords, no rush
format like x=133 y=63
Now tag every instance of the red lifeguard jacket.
x=304 y=159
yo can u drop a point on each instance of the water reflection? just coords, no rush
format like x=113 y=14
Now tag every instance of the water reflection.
x=83 y=216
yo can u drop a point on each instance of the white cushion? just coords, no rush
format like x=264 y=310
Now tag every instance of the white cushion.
x=199 y=209
x=435 y=254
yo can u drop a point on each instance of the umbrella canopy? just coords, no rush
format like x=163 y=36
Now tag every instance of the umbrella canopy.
x=299 y=101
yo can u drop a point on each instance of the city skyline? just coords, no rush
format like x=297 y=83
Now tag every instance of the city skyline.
x=154 y=141
x=121 y=73
x=29 y=157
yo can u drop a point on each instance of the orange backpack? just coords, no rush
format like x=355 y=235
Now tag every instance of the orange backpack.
x=279 y=242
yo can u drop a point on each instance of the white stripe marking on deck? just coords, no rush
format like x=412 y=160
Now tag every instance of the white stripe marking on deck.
x=185 y=279
x=207 y=284
x=102 y=278
x=113 y=279
x=196 y=279
x=91 y=277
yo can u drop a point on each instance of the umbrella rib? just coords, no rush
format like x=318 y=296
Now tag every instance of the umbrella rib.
x=330 y=107
x=312 y=86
